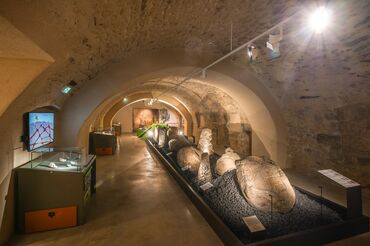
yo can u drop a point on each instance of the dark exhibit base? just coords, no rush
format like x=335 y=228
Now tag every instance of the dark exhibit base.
x=317 y=235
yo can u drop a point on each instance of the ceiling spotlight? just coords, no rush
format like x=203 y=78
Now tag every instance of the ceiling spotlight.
x=125 y=100
x=252 y=52
x=274 y=41
x=320 y=19
x=150 y=101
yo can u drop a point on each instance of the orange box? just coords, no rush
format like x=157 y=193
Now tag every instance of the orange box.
x=49 y=219
x=104 y=151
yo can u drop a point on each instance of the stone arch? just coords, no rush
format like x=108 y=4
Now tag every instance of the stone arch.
x=173 y=102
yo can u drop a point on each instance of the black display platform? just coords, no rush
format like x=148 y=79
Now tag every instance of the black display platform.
x=316 y=236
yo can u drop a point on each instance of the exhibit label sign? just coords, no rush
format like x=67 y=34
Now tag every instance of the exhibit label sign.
x=253 y=224
x=338 y=178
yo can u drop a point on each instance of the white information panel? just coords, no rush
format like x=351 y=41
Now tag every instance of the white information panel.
x=206 y=186
x=338 y=178
x=253 y=224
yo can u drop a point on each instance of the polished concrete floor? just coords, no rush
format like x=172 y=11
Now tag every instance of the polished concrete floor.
x=138 y=203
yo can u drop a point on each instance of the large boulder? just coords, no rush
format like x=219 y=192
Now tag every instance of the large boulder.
x=204 y=172
x=261 y=180
x=178 y=143
x=205 y=141
x=189 y=157
x=227 y=162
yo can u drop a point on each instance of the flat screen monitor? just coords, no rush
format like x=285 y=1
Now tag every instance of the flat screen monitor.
x=39 y=129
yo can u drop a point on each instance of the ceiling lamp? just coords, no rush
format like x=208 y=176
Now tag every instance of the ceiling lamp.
x=320 y=19
x=252 y=52
x=274 y=41
x=150 y=101
x=125 y=100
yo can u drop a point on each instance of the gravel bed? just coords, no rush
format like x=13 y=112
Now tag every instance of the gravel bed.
x=227 y=202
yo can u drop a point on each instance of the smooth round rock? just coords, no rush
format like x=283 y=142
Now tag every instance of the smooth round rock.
x=189 y=157
x=227 y=162
x=261 y=180
x=178 y=143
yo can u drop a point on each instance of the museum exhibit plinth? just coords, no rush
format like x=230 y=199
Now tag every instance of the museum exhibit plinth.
x=312 y=220
x=54 y=189
x=102 y=142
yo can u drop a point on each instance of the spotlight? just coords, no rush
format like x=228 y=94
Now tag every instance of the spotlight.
x=180 y=132
x=274 y=41
x=150 y=133
x=151 y=101
x=125 y=100
x=252 y=53
x=319 y=19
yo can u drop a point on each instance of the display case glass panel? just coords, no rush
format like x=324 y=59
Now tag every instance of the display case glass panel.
x=58 y=159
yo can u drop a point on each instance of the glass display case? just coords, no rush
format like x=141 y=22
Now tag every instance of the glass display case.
x=58 y=159
x=102 y=142
x=56 y=186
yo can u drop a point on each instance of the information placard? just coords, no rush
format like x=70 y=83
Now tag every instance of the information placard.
x=338 y=178
x=253 y=224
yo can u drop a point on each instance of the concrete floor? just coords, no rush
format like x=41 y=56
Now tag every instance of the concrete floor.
x=138 y=203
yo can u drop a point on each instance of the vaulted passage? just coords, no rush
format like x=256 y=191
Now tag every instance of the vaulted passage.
x=253 y=112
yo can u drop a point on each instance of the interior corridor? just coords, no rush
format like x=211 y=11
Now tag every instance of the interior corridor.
x=137 y=203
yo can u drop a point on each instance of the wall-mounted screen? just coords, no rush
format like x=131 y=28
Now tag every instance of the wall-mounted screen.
x=39 y=129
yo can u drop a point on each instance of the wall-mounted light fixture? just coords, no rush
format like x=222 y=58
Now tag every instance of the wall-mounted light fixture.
x=125 y=100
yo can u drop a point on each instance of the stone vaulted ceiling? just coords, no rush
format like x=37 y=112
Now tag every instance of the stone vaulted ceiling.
x=84 y=36
x=315 y=81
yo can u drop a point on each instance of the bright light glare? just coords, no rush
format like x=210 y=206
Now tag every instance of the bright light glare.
x=180 y=132
x=150 y=133
x=125 y=100
x=320 y=19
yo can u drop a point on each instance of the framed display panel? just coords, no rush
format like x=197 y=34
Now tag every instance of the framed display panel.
x=38 y=129
x=144 y=117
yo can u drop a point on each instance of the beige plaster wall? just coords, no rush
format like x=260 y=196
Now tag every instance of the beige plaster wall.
x=21 y=61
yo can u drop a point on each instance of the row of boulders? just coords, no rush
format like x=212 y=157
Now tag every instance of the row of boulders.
x=262 y=183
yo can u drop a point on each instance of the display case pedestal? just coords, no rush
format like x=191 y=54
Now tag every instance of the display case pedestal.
x=53 y=198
